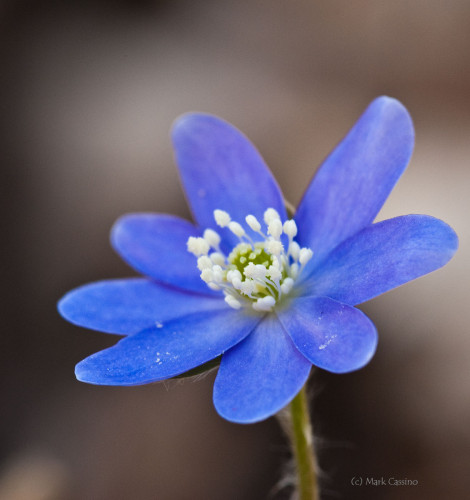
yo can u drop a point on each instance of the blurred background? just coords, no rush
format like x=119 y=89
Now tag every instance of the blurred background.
x=88 y=92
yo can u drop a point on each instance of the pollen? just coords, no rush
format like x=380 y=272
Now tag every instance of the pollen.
x=255 y=274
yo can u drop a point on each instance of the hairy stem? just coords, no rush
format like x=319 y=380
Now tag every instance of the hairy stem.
x=301 y=441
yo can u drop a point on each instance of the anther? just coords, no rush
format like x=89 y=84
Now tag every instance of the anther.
x=197 y=246
x=305 y=255
x=232 y=302
x=234 y=274
x=269 y=215
x=275 y=228
x=264 y=304
x=247 y=287
x=207 y=275
x=212 y=238
x=222 y=218
x=274 y=247
x=294 y=270
x=287 y=285
x=236 y=229
x=204 y=262
x=218 y=273
x=290 y=228
x=252 y=221
x=218 y=258
x=274 y=272
x=294 y=250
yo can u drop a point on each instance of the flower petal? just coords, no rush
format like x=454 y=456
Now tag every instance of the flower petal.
x=129 y=305
x=383 y=256
x=160 y=353
x=333 y=336
x=353 y=183
x=155 y=245
x=260 y=375
x=220 y=168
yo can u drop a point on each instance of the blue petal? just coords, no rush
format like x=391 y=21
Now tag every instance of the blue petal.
x=130 y=305
x=355 y=180
x=220 y=168
x=155 y=245
x=160 y=353
x=383 y=256
x=333 y=336
x=260 y=375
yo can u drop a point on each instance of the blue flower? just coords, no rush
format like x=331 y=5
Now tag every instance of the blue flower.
x=272 y=296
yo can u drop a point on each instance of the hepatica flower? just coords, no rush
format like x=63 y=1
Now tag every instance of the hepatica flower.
x=271 y=295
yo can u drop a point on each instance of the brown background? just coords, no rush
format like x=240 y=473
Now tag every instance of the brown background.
x=88 y=91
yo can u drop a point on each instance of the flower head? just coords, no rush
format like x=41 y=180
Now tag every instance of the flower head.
x=269 y=294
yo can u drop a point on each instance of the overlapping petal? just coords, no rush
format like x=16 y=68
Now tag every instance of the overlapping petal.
x=126 y=306
x=331 y=335
x=220 y=168
x=351 y=186
x=155 y=245
x=260 y=375
x=383 y=256
x=167 y=350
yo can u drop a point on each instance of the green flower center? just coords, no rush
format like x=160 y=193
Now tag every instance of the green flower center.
x=243 y=254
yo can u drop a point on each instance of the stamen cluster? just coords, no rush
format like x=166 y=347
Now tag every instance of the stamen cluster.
x=254 y=273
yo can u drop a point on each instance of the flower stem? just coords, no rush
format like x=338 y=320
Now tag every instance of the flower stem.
x=301 y=441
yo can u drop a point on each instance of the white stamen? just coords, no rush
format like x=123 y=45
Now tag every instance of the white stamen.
x=237 y=283
x=250 y=270
x=269 y=215
x=213 y=286
x=274 y=272
x=290 y=228
x=287 y=285
x=264 y=304
x=236 y=229
x=222 y=218
x=232 y=302
x=274 y=247
x=218 y=273
x=218 y=258
x=305 y=255
x=294 y=250
x=260 y=272
x=294 y=270
x=252 y=221
x=275 y=228
x=247 y=287
x=207 y=275
x=204 y=262
x=197 y=246
x=212 y=238
x=234 y=274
